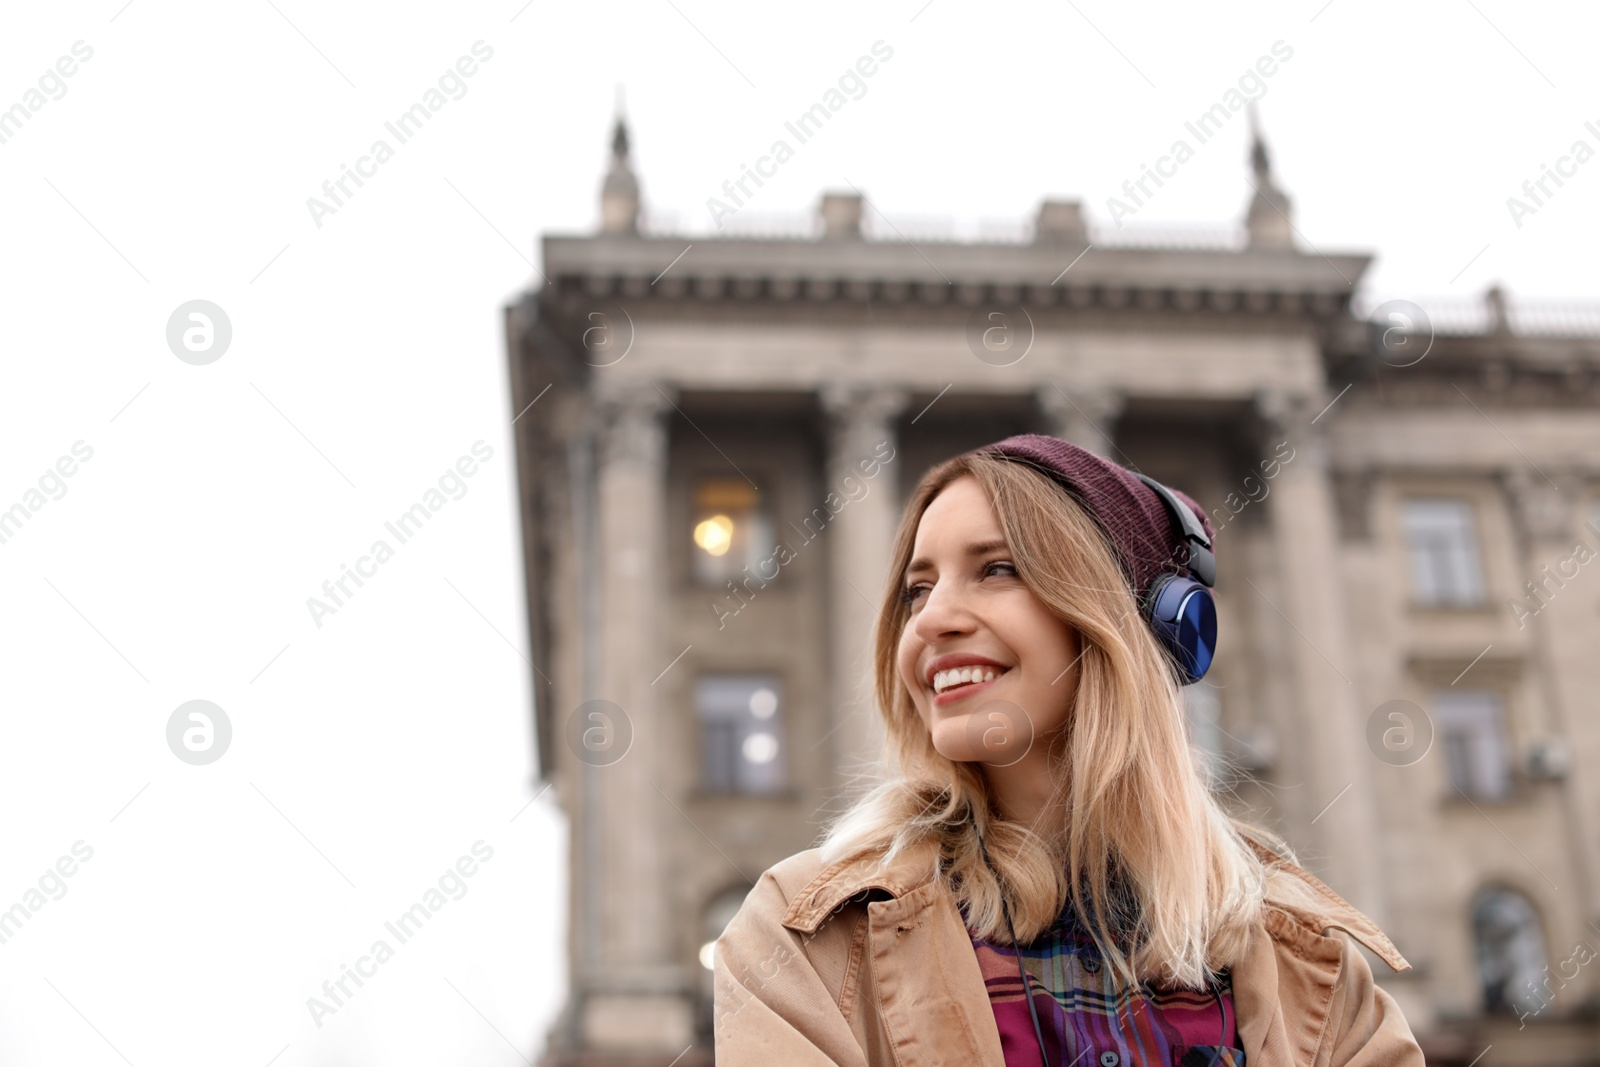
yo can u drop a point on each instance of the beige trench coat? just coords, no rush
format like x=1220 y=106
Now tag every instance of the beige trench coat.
x=860 y=966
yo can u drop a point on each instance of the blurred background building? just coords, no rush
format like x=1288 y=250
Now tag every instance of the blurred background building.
x=716 y=436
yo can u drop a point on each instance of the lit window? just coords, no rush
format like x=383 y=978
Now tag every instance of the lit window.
x=1443 y=544
x=1472 y=733
x=1511 y=953
x=741 y=733
x=732 y=531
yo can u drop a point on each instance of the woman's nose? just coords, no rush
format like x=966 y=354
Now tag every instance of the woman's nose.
x=944 y=611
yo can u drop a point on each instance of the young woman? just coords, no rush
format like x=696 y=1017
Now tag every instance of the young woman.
x=1044 y=877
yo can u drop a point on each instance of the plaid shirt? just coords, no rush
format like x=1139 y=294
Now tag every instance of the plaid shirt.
x=1078 y=1005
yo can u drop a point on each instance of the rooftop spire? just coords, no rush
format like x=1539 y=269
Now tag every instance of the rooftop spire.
x=1269 y=216
x=619 y=195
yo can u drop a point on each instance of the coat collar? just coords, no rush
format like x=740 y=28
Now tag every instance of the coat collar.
x=837 y=883
x=1334 y=912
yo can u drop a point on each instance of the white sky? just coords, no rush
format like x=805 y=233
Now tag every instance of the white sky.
x=369 y=754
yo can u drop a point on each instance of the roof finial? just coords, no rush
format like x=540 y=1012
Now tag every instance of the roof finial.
x=1259 y=160
x=619 y=136
x=619 y=142
x=1268 y=219
x=1499 y=310
x=619 y=196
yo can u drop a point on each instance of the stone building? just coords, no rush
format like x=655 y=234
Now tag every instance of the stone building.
x=715 y=438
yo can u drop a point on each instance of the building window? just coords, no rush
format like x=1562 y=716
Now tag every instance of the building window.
x=1443 y=544
x=1472 y=733
x=741 y=733
x=1511 y=954
x=732 y=531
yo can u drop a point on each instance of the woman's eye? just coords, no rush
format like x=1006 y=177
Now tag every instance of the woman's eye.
x=911 y=594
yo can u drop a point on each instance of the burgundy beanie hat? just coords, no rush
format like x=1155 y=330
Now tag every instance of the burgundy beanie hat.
x=1142 y=534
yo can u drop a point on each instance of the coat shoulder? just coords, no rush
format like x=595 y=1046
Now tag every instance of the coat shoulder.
x=789 y=890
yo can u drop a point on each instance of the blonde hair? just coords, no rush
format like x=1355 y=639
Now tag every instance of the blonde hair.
x=1156 y=871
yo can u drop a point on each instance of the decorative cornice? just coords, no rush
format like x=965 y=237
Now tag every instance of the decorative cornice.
x=1251 y=281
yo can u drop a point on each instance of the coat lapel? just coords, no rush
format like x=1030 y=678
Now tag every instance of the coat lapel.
x=1286 y=964
x=931 y=997
x=927 y=987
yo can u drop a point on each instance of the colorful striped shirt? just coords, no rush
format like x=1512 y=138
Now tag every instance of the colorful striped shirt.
x=1085 y=1021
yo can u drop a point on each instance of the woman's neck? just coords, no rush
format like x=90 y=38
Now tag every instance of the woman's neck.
x=1025 y=791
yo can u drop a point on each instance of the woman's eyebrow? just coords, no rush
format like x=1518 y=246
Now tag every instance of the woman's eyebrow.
x=977 y=548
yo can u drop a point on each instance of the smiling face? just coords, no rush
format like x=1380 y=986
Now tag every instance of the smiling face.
x=992 y=672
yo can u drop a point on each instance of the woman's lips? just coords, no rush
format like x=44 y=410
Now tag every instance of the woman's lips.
x=961 y=692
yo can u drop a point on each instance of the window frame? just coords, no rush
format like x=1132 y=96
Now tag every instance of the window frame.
x=1510 y=1002
x=765 y=510
x=1467 y=590
x=1489 y=752
x=709 y=780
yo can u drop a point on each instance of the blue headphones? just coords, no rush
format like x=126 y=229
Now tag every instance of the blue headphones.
x=1180 y=610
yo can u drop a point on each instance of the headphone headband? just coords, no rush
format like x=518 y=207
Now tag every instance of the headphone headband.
x=1202 y=562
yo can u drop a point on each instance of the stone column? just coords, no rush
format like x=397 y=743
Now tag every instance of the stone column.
x=1552 y=600
x=861 y=429
x=1328 y=707
x=639 y=996
x=1085 y=417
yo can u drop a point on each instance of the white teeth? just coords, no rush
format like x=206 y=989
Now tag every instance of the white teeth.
x=943 y=680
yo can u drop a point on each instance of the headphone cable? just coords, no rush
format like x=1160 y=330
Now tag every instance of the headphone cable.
x=1027 y=989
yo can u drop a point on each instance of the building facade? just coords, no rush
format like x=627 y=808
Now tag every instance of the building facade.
x=716 y=437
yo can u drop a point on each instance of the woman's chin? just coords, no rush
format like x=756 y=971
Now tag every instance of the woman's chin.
x=985 y=737
x=950 y=740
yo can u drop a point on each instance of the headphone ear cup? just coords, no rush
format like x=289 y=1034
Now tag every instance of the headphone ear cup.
x=1183 y=616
